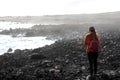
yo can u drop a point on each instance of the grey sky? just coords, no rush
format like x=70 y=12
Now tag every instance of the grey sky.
x=56 y=7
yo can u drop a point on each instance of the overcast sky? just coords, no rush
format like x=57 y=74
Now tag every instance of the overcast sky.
x=56 y=7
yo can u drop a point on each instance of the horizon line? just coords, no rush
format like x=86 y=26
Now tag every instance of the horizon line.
x=59 y=14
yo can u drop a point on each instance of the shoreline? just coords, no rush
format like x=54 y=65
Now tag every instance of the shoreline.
x=67 y=57
x=8 y=42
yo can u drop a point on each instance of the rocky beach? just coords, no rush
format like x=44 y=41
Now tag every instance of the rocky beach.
x=66 y=59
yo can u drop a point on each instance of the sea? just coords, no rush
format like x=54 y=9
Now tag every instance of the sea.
x=7 y=41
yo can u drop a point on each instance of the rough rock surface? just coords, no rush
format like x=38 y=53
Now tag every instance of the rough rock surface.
x=63 y=60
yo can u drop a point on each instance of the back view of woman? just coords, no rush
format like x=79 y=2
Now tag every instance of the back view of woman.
x=92 y=43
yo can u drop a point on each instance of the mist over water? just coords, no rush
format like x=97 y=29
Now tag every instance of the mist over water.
x=7 y=41
x=13 y=25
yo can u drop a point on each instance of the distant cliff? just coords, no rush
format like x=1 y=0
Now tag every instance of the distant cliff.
x=101 y=18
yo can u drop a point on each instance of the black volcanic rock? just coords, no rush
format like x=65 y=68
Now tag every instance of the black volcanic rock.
x=64 y=60
x=37 y=56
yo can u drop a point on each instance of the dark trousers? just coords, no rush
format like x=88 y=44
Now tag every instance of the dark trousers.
x=92 y=57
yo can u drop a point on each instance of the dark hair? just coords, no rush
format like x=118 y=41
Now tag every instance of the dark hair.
x=93 y=34
x=92 y=29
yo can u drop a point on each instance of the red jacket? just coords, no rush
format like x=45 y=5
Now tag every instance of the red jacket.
x=87 y=41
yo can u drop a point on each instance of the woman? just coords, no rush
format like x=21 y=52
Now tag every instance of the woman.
x=92 y=54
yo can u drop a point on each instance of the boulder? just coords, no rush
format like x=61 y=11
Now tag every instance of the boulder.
x=37 y=56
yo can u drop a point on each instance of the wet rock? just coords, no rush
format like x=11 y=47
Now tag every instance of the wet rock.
x=9 y=50
x=46 y=63
x=37 y=56
x=112 y=74
x=55 y=71
x=18 y=51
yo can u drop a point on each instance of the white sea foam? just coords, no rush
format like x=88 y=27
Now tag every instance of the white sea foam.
x=6 y=42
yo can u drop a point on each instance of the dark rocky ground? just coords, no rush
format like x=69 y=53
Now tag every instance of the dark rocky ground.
x=63 y=60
